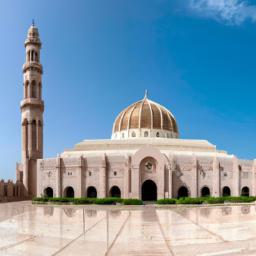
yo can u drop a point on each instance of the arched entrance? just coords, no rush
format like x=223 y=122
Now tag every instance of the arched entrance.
x=48 y=192
x=149 y=191
x=115 y=191
x=91 y=192
x=69 y=192
x=226 y=191
x=205 y=191
x=245 y=191
x=183 y=192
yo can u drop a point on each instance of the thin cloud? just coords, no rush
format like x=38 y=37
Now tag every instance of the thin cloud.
x=233 y=12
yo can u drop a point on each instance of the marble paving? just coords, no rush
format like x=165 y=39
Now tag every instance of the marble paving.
x=27 y=229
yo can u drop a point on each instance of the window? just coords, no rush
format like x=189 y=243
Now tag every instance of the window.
x=33 y=89
x=90 y=173
x=146 y=134
x=133 y=134
x=157 y=134
x=115 y=173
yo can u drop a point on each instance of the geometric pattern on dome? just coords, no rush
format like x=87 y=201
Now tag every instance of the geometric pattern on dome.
x=146 y=115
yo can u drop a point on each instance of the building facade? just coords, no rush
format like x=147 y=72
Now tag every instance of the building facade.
x=145 y=158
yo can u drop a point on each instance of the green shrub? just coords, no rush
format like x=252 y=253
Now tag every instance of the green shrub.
x=166 y=201
x=40 y=199
x=83 y=200
x=132 y=201
x=108 y=200
x=60 y=199
x=190 y=200
x=214 y=200
x=240 y=199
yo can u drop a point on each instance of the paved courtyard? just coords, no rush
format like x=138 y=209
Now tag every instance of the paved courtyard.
x=144 y=230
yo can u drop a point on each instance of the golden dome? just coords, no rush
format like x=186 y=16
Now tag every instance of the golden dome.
x=145 y=118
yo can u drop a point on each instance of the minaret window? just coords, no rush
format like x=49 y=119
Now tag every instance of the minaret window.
x=34 y=137
x=25 y=134
x=36 y=57
x=39 y=90
x=33 y=89
x=26 y=89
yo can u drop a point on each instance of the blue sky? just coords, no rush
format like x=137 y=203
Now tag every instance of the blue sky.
x=196 y=57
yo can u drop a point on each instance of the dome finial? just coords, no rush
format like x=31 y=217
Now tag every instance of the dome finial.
x=146 y=94
x=33 y=22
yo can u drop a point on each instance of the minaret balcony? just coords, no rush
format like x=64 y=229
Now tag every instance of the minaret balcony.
x=32 y=65
x=32 y=102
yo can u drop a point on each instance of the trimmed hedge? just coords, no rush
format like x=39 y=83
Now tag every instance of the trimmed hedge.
x=207 y=200
x=131 y=201
x=85 y=200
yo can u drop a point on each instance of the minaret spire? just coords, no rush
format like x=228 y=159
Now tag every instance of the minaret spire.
x=32 y=108
x=146 y=94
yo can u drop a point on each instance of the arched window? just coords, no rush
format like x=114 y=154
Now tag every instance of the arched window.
x=33 y=89
x=39 y=90
x=157 y=134
x=48 y=192
x=25 y=134
x=26 y=89
x=69 y=192
x=34 y=133
x=205 y=191
x=245 y=191
x=32 y=55
x=36 y=56
x=91 y=192
x=226 y=191
x=115 y=191
x=146 y=134
x=183 y=192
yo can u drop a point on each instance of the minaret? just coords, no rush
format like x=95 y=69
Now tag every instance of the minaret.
x=32 y=108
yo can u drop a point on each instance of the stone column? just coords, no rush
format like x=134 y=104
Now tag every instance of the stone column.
x=160 y=187
x=194 y=188
x=103 y=179
x=236 y=178
x=215 y=177
x=58 y=177
x=30 y=138
x=171 y=170
x=25 y=175
x=126 y=184
x=79 y=168
x=135 y=182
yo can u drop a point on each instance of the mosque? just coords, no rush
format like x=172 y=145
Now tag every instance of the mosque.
x=145 y=158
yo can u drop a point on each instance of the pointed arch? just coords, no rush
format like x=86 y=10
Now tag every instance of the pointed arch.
x=26 y=84
x=33 y=89
x=25 y=134
x=33 y=134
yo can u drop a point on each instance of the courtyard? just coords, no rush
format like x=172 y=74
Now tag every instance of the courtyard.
x=27 y=229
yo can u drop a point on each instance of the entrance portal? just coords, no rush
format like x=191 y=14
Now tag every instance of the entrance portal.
x=48 y=192
x=149 y=191
x=115 y=192
x=182 y=192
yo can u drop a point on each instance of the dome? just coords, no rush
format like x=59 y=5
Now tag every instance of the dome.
x=145 y=118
